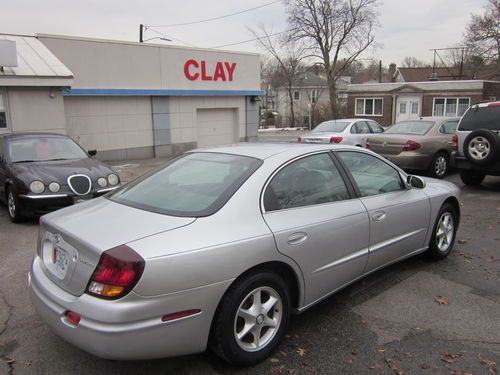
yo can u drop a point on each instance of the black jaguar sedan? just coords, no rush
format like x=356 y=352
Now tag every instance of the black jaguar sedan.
x=41 y=172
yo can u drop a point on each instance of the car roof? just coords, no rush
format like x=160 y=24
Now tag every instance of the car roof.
x=351 y=119
x=32 y=134
x=433 y=118
x=267 y=150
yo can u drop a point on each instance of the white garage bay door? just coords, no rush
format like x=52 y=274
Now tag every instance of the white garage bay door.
x=216 y=126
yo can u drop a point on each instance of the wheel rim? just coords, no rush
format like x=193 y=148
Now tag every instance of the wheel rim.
x=444 y=232
x=11 y=204
x=479 y=148
x=258 y=319
x=440 y=166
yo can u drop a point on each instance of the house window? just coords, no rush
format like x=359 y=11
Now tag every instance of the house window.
x=450 y=107
x=369 y=106
x=3 y=111
x=493 y=99
x=296 y=95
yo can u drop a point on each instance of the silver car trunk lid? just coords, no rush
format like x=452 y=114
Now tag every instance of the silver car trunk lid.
x=317 y=137
x=72 y=240
x=388 y=144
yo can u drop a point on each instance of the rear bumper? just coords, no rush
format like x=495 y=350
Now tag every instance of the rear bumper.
x=461 y=162
x=410 y=160
x=130 y=328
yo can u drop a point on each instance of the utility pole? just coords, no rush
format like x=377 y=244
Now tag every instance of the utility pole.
x=141 y=33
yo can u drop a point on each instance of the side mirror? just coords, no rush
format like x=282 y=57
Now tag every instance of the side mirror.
x=92 y=152
x=415 y=182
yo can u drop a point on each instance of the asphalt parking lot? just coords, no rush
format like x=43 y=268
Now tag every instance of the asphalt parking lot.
x=415 y=317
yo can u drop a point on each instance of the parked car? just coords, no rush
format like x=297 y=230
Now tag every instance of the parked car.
x=425 y=144
x=42 y=172
x=477 y=152
x=346 y=131
x=221 y=246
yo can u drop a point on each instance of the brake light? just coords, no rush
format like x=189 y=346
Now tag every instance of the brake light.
x=118 y=271
x=411 y=146
x=454 y=145
x=494 y=104
x=336 y=139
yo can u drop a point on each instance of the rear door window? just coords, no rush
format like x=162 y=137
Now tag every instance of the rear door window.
x=449 y=127
x=305 y=182
x=481 y=118
x=375 y=128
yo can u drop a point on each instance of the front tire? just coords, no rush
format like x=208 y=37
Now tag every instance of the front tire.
x=439 y=165
x=251 y=319
x=471 y=177
x=444 y=233
x=13 y=205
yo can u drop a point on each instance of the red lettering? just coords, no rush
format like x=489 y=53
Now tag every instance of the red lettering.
x=230 y=69
x=187 y=73
x=219 y=72
x=204 y=76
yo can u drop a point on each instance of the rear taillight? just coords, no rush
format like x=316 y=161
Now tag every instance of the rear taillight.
x=336 y=139
x=454 y=140
x=411 y=146
x=118 y=271
x=494 y=104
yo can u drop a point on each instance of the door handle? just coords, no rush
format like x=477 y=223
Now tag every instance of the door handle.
x=379 y=216
x=297 y=238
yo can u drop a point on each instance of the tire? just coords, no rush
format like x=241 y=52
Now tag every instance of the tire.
x=232 y=319
x=13 y=205
x=471 y=177
x=439 y=165
x=481 y=147
x=444 y=232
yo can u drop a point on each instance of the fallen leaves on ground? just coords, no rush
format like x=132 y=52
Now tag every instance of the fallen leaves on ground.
x=278 y=369
x=485 y=362
x=375 y=367
x=274 y=360
x=424 y=366
x=394 y=367
x=450 y=358
x=441 y=300
x=462 y=242
x=301 y=352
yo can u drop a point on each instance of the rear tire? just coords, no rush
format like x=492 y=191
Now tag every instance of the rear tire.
x=13 y=205
x=439 y=165
x=444 y=232
x=471 y=177
x=245 y=330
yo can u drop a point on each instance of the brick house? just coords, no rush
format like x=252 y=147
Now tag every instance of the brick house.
x=391 y=102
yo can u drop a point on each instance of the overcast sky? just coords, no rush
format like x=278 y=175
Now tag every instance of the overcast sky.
x=407 y=27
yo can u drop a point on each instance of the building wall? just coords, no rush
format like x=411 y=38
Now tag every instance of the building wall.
x=387 y=108
x=491 y=90
x=39 y=110
x=111 y=125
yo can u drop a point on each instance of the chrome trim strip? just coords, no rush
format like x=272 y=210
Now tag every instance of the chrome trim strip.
x=392 y=241
x=43 y=196
x=79 y=175
x=347 y=258
x=108 y=189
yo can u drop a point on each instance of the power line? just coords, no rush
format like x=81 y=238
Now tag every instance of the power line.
x=168 y=36
x=250 y=40
x=219 y=17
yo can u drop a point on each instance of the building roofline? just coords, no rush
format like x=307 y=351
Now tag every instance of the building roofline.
x=420 y=82
x=127 y=42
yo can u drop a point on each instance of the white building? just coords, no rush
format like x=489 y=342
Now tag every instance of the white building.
x=130 y=100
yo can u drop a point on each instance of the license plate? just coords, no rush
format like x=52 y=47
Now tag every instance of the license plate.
x=60 y=260
x=312 y=140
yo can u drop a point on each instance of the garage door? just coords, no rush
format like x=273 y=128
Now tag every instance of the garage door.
x=216 y=126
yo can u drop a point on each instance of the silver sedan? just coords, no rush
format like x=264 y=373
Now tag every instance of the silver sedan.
x=219 y=247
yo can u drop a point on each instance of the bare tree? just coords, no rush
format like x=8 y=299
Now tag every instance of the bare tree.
x=339 y=31
x=482 y=35
x=289 y=55
x=413 y=62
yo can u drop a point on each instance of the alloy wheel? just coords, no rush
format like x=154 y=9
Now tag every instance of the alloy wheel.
x=11 y=204
x=445 y=231
x=440 y=166
x=479 y=148
x=258 y=319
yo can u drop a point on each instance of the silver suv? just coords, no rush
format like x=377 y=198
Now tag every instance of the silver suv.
x=477 y=143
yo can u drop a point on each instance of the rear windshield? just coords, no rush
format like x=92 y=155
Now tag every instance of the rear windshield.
x=331 y=127
x=194 y=185
x=481 y=118
x=410 y=127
